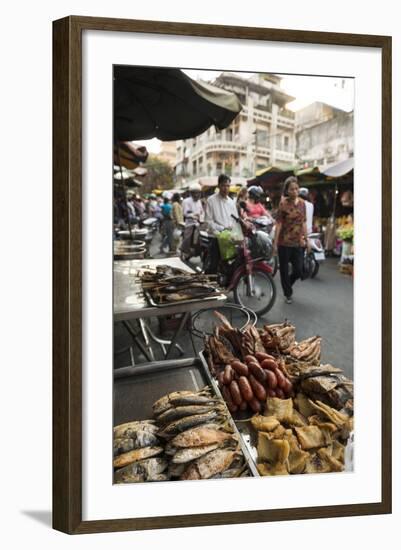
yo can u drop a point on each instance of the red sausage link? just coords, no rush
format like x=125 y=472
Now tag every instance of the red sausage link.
x=257 y=388
x=245 y=388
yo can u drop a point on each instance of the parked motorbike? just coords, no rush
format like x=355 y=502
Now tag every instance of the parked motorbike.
x=248 y=274
x=317 y=255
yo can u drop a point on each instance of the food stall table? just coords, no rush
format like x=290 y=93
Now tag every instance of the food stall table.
x=131 y=304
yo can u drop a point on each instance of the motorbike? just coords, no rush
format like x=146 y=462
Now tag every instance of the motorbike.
x=248 y=274
x=316 y=256
x=266 y=225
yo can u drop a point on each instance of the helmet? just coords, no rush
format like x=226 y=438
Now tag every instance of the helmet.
x=167 y=195
x=195 y=187
x=255 y=192
x=304 y=192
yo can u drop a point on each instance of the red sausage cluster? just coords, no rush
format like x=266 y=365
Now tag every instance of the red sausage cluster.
x=246 y=385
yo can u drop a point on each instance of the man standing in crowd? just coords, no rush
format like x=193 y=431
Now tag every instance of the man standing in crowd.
x=219 y=211
x=193 y=215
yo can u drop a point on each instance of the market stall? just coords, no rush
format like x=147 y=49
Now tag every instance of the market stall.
x=132 y=303
x=256 y=403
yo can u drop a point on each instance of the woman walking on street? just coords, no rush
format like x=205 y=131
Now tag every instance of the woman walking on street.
x=291 y=236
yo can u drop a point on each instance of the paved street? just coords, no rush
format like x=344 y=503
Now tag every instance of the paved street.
x=322 y=306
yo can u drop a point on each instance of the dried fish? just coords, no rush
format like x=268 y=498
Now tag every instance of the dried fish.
x=122 y=445
x=192 y=453
x=209 y=465
x=145 y=470
x=184 y=397
x=133 y=456
x=188 y=422
x=130 y=428
x=176 y=413
x=203 y=435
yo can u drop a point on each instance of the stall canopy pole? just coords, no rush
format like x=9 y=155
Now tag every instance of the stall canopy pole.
x=125 y=191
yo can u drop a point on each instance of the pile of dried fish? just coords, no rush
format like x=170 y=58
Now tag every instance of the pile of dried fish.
x=300 y=436
x=279 y=337
x=138 y=453
x=167 y=284
x=299 y=362
x=200 y=443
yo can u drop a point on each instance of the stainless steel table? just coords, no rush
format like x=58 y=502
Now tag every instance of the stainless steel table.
x=130 y=303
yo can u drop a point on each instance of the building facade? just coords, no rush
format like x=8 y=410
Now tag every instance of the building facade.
x=262 y=134
x=324 y=135
x=168 y=152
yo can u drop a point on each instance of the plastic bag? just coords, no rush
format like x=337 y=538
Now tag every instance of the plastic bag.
x=177 y=233
x=236 y=233
x=227 y=248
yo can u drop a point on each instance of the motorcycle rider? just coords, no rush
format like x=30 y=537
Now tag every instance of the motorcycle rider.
x=219 y=211
x=254 y=206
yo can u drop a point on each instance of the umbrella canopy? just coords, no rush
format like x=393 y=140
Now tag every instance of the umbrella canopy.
x=165 y=103
x=129 y=154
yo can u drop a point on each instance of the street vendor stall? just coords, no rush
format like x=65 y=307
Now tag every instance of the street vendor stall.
x=131 y=303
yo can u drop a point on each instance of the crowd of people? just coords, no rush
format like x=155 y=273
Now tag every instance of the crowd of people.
x=182 y=218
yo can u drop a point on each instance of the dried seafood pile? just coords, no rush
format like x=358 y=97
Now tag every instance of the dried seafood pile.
x=280 y=338
x=301 y=436
x=200 y=443
x=298 y=363
x=167 y=284
x=190 y=438
x=138 y=453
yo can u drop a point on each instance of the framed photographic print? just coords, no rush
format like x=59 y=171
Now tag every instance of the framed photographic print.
x=222 y=275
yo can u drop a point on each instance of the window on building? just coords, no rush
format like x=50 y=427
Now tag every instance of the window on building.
x=286 y=143
x=194 y=167
x=219 y=166
x=229 y=134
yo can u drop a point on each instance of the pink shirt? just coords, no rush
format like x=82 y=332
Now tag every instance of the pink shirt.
x=256 y=210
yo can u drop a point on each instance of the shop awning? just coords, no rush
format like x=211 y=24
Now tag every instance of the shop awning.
x=129 y=154
x=165 y=103
x=339 y=169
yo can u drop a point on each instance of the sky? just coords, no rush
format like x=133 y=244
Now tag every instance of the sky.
x=338 y=92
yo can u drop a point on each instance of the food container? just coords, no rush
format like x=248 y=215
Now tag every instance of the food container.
x=153 y=380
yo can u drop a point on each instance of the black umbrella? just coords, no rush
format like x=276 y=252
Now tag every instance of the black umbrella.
x=165 y=103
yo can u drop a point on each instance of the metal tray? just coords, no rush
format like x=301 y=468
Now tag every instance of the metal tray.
x=217 y=295
x=247 y=435
x=137 y=388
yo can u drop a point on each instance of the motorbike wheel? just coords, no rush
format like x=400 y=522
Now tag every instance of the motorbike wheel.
x=264 y=296
x=315 y=268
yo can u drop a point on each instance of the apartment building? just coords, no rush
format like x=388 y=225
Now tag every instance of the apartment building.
x=262 y=134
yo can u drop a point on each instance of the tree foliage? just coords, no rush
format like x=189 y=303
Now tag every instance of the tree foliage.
x=160 y=175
